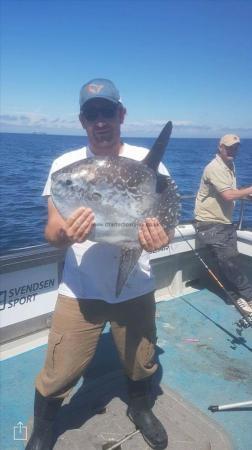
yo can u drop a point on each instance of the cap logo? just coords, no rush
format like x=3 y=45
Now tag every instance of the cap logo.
x=94 y=88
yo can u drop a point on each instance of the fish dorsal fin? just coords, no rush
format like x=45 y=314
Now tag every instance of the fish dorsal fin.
x=156 y=153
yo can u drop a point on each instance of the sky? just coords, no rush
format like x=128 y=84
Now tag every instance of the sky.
x=188 y=61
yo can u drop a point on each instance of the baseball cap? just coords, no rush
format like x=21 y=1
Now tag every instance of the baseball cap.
x=229 y=139
x=99 y=88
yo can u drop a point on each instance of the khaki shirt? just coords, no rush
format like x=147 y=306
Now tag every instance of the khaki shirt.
x=210 y=206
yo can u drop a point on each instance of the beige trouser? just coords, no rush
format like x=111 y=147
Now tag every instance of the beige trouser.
x=76 y=328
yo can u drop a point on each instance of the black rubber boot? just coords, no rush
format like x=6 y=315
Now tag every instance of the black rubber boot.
x=140 y=412
x=45 y=411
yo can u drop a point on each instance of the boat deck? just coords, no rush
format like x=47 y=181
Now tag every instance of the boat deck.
x=204 y=361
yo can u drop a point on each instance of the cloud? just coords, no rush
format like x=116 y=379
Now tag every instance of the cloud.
x=34 y=122
x=6 y=118
x=237 y=130
x=182 y=128
x=30 y=122
x=153 y=127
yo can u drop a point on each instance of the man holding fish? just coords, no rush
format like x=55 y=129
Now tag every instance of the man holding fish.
x=107 y=274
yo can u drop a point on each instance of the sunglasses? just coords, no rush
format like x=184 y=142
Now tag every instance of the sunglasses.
x=107 y=112
x=232 y=149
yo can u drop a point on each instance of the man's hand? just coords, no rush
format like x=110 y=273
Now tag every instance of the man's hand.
x=152 y=235
x=79 y=224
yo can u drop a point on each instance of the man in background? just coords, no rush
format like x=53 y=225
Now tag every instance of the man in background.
x=87 y=299
x=213 y=220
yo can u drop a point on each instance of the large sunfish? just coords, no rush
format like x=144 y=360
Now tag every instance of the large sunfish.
x=122 y=193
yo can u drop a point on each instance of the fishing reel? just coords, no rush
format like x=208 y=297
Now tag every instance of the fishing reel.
x=245 y=322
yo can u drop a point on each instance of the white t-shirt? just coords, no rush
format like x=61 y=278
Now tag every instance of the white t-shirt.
x=91 y=268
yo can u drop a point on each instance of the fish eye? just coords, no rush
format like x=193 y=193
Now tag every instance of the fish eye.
x=96 y=196
x=69 y=182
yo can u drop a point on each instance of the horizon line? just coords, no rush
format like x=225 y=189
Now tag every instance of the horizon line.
x=38 y=133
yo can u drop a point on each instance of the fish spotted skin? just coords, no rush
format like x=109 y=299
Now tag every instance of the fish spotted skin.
x=122 y=193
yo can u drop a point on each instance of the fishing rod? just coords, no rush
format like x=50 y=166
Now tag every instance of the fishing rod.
x=117 y=445
x=246 y=320
x=228 y=406
x=242 y=209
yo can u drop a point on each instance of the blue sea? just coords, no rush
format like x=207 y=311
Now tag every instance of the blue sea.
x=26 y=160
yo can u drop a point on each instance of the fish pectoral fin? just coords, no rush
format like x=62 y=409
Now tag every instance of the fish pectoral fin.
x=128 y=260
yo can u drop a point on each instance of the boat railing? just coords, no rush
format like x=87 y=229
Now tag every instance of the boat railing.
x=243 y=203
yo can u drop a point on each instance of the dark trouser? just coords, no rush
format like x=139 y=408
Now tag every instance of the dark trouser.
x=221 y=240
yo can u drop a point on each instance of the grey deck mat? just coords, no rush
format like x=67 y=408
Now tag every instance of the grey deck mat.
x=80 y=426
